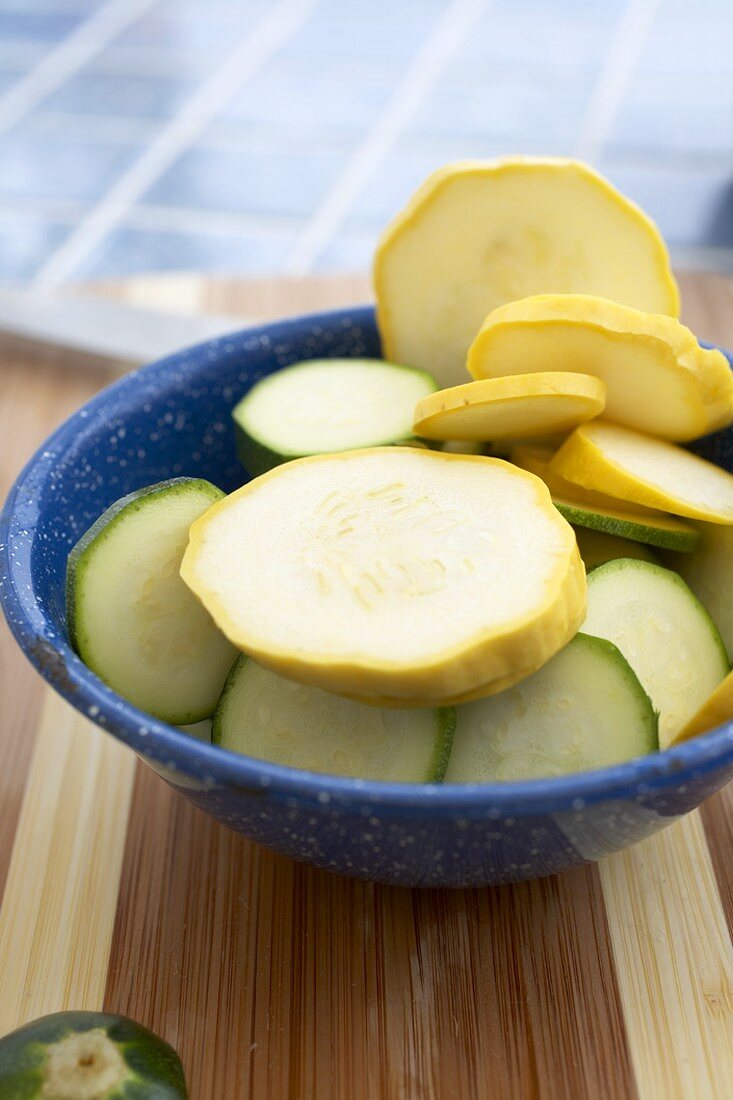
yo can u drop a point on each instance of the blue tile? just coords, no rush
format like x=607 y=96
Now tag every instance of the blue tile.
x=91 y=129
x=355 y=30
x=691 y=206
x=85 y=7
x=167 y=27
x=60 y=166
x=688 y=43
x=112 y=94
x=270 y=181
x=663 y=114
x=36 y=27
x=26 y=242
x=515 y=31
x=288 y=101
x=129 y=251
x=510 y=104
x=351 y=250
x=236 y=135
x=19 y=57
x=188 y=62
x=343 y=67
x=7 y=80
x=195 y=10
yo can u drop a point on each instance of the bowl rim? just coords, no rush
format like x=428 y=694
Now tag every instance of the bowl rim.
x=211 y=767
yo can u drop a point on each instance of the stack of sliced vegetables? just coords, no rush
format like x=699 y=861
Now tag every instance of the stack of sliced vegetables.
x=388 y=599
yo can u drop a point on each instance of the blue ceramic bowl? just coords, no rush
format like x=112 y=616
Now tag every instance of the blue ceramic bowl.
x=173 y=418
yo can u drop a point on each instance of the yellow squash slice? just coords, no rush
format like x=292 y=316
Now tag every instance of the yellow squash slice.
x=658 y=378
x=718 y=708
x=644 y=470
x=510 y=408
x=391 y=573
x=537 y=460
x=478 y=234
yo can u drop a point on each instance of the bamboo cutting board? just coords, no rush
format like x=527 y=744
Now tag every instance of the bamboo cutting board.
x=277 y=981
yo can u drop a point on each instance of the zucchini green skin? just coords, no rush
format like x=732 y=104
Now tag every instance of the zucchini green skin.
x=82 y=554
x=258 y=459
x=445 y=718
x=580 y=516
x=255 y=456
x=101 y=529
x=155 y=1069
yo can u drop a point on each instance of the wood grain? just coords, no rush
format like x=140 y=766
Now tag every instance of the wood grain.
x=60 y=898
x=674 y=963
x=34 y=398
x=717 y=817
x=310 y=976
x=275 y=980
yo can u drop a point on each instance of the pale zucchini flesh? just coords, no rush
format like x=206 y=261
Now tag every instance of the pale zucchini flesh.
x=510 y=408
x=658 y=379
x=638 y=468
x=584 y=709
x=478 y=234
x=664 y=632
x=130 y=616
x=325 y=405
x=709 y=573
x=264 y=715
x=391 y=572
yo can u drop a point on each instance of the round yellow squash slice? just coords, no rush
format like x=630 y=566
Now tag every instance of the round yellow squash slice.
x=391 y=573
x=478 y=234
x=521 y=406
x=644 y=470
x=658 y=378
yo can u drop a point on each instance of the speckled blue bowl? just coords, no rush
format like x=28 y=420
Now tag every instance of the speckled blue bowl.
x=173 y=418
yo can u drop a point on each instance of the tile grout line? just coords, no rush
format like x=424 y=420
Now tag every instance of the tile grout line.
x=618 y=67
x=445 y=39
x=69 y=56
x=282 y=21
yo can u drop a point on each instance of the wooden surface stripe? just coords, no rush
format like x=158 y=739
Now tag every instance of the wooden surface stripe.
x=33 y=398
x=717 y=816
x=674 y=963
x=60 y=897
x=278 y=981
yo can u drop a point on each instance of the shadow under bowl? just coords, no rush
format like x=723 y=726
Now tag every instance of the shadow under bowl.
x=173 y=418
